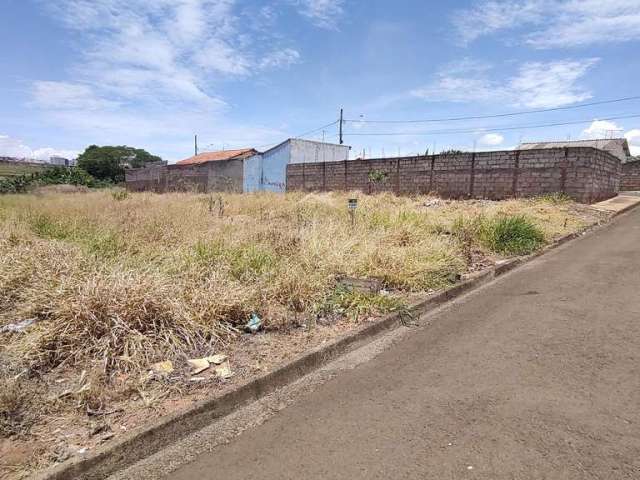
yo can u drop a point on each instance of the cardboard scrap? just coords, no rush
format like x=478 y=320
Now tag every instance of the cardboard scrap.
x=217 y=359
x=224 y=370
x=198 y=365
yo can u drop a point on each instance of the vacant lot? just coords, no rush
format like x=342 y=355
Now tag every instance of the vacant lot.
x=110 y=283
x=12 y=169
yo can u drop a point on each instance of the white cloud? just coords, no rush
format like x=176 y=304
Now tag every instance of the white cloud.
x=633 y=137
x=554 y=23
x=322 y=13
x=607 y=129
x=13 y=147
x=163 y=51
x=65 y=95
x=147 y=73
x=602 y=129
x=535 y=85
x=281 y=58
x=491 y=139
x=550 y=84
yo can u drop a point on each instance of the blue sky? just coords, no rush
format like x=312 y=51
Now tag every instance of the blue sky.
x=241 y=73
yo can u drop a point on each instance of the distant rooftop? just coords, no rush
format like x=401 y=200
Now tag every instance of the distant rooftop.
x=618 y=147
x=220 y=155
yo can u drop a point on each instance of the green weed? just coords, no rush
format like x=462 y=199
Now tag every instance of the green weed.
x=511 y=235
x=356 y=304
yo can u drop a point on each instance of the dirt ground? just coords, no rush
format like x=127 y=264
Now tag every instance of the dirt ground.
x=534 y=376
x=71 y=411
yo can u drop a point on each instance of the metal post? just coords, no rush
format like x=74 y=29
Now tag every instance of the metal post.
x=341 y=121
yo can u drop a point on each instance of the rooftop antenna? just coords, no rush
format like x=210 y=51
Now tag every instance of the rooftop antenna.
x=195 y=144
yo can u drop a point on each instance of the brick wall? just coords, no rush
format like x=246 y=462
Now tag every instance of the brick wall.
x=586 y=174
x=220 y=176
x=630 y=179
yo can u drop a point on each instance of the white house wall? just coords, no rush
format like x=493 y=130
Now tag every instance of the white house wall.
x=304 y=151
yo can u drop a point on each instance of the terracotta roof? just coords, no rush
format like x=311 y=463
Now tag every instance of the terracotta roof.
x=218 y=156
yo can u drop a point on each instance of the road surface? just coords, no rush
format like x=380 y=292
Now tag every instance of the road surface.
x=536 y=376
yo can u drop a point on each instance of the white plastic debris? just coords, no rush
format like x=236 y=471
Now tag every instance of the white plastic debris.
x=254 y=324
x=18 y=326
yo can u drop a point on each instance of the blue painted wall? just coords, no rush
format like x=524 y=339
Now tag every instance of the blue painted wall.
x=268 y=171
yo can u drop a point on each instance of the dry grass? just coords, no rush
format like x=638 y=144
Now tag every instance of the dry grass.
x=115 y=282
x=14 y=408
x=127 y=280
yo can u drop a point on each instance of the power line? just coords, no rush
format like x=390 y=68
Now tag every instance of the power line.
x=315 y=130
x=499 y=115
x=258 y=147
x=489 y=129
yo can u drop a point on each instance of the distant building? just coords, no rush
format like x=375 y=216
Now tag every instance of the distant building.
x=242 y=170
x=618 y=147
x=62 y=162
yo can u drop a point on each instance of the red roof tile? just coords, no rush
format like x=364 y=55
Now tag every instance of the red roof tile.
x=218 y=156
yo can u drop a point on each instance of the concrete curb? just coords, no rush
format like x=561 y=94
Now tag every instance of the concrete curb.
x=138 y=444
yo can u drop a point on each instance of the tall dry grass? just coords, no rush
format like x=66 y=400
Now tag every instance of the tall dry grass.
x=131 y=279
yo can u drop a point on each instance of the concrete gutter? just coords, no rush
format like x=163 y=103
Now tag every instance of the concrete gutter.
x=618 y=204
x=133 y=446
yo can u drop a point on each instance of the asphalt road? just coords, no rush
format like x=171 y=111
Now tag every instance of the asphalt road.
x=536 y=376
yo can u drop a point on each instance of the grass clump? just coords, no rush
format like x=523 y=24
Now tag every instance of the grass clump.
x=556 y=198
x=511 y=235
x=14 y=416
x=359 y=304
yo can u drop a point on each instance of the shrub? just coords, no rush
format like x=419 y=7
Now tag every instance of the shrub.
x=377 y=176
x=557 y=198
x=511 y=235
x=50 y=176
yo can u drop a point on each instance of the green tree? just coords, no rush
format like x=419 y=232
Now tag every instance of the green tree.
x=108 y=163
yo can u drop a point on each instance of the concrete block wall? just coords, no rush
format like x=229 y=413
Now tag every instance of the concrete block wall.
x=630 y=178
x=586 y=174
x=222 y=176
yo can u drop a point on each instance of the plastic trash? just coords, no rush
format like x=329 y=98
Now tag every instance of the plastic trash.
x=17 y=327
x=254 y=324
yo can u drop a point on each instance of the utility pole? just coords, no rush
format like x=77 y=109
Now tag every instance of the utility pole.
x=341 y=120
x=195 y=144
